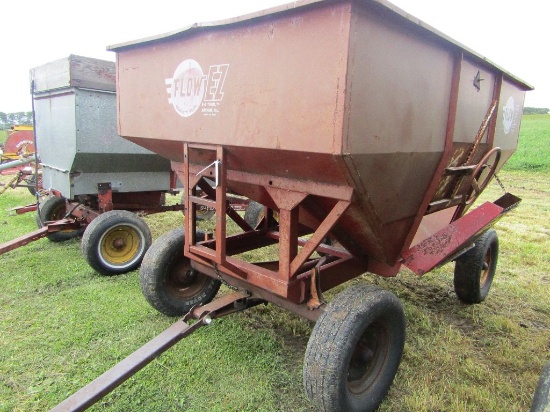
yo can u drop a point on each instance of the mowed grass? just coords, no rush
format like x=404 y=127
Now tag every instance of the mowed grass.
x=62 y=325
x=534 y=146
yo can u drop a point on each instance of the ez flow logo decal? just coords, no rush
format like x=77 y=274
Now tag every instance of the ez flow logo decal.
x=190 y=88
x=510 y=114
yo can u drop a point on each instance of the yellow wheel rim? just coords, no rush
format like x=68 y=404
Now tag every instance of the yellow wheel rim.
x=120 y=245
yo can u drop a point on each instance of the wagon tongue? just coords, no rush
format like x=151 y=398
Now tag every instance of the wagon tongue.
x=101 y=386
x=451 y=241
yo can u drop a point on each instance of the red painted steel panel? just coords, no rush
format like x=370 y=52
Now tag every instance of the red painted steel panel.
x=319 y=94
x=436 y=249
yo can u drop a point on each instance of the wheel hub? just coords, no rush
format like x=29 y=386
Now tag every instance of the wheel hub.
x=183 y=281
x=368 y=359
x=119 y=243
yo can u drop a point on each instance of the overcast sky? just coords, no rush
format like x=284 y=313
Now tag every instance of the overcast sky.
x=34 y=32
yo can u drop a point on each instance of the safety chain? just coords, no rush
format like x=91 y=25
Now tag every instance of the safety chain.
x=224 y=282
x=500 y=184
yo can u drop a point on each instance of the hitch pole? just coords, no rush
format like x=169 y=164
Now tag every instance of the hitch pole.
x=107 y=382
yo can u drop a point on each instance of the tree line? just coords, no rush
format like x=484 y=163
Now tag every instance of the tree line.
x=535 y=110
x=7 y=120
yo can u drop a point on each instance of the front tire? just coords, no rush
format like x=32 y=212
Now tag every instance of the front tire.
x=475 y=269
x=115 y=242
x=354 y=350
x=54 y=208
x=168 y=281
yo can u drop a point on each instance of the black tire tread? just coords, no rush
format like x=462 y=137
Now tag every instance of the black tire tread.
x=252 y=213
x=330 y=336
x=156 y=262
x=468 y=269
x=45 y=213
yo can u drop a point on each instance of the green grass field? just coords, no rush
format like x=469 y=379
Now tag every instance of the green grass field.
x=3 y=136
x=62 y=325
x=533 y=150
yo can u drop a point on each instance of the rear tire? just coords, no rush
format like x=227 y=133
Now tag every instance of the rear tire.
x=202 y=212
x=254 y=214
x=167 y=280
x=55 y=208
x=354 y=350
x=475 y=269
x=115 y=242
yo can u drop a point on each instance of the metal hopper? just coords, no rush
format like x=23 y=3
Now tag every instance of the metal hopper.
x=74 y=104
x=348 y=101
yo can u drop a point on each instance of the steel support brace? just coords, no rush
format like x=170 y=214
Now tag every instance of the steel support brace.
x=219 y=201
x=217 y=253
x=97 y=389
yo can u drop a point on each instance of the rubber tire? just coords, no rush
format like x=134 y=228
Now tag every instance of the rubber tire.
x=54 y=208
x=96 y=238
x=472 y=280
x=334 y=340
x=541 y=398
x=254 y=213
x=201 y=214
x=160 y=262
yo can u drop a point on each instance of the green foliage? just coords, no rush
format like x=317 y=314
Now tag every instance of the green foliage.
x=8 y=120
x=533 y=150
x=535 y=110
x=3 y=136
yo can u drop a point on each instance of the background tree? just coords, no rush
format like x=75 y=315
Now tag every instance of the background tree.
x=535 y=110
x=8 y=120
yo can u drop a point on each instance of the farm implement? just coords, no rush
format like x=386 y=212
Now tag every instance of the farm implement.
x=365 y=135
x=95 y=183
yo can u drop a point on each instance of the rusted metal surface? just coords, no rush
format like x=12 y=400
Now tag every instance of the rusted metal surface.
x=339 y=123
x=445 y=244
x=107 y=382
x=289 y=279
x=339 y=144
x=104 y=197
x=80 y=215
x=25 y=209
x=23 y=240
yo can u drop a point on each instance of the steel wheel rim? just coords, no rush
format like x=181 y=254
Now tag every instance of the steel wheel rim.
x=183 y=281
x=486 y=267
x=58 y=213
x=368 y=358
x=121 y=246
